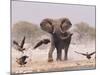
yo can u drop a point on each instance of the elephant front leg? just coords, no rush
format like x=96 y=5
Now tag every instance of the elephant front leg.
x=66 y=53
x=50 y=58
x=59 y=55
x=67 y=47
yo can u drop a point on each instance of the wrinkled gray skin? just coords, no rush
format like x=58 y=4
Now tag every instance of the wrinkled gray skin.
x=60 y=37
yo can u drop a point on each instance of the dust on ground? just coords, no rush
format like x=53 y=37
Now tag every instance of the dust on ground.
x=38 y=59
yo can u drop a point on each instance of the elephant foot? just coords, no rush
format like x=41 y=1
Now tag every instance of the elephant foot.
x=50 y=60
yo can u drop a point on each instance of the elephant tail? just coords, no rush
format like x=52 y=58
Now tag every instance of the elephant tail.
x=44 y=41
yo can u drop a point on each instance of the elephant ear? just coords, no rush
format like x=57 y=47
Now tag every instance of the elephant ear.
x=65 y=24
x=46 y=25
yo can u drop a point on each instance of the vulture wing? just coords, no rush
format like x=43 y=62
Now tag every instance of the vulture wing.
x=80 y=53
x=92 y=53
x=22 y=43
x=38 y=44
x=16 y=43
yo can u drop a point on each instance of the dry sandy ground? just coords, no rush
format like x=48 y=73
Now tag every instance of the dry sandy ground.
x=37 y=61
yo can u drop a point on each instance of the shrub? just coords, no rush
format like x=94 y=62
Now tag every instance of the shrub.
x=27 y=29
x=84 y=30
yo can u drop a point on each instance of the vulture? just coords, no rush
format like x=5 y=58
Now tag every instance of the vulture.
x=88 y=55
x=44 y=41
x=20 y=46
x=22 y=60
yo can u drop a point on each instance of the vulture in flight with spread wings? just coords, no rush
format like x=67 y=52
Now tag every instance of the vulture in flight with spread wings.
x=22 y=60
x=88 y=55
x=20 y=46
x=44 y=41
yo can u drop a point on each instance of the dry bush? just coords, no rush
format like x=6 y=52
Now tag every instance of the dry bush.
x=27 y=29
x=85 y=31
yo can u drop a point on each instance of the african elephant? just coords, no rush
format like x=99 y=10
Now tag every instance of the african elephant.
x=60 y=37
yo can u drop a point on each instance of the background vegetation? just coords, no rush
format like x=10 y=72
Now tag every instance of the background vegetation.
x=85 y=30
x=27 y=29
x=82 y=31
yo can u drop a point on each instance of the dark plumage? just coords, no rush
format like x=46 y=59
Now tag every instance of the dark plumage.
x=21 y=61
x=20 y=47
x=44 y=41
x=88 y=56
